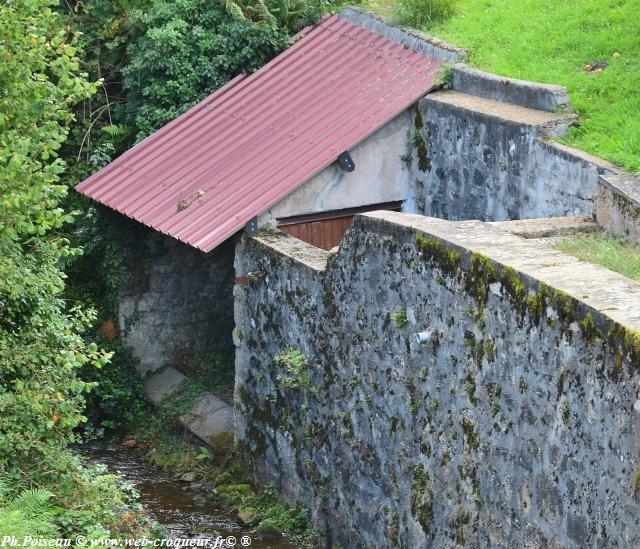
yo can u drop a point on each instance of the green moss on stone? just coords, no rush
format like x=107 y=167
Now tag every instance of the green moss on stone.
x=421 y=498
x=470 y=434
x=400 y=317
x=436 y=251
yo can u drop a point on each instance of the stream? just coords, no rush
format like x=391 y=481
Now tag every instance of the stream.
x=166 y=502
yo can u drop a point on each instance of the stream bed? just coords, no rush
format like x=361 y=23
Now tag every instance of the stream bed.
x=166 y=501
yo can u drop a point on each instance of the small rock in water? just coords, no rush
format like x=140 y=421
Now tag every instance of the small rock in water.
x=248 y=516
x=188 y=477
x=199 y=500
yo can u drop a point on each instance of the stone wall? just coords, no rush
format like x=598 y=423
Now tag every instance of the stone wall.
x=478 y=158
x=514 y=425
x=175 y=302
x=618 y=205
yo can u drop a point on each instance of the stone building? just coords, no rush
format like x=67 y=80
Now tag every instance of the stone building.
x=470 y=381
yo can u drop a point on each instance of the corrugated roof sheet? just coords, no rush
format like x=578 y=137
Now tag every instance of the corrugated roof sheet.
x=203 y=176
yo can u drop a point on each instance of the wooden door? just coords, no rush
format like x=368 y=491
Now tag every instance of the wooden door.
x=326 y=229
x=325 y=233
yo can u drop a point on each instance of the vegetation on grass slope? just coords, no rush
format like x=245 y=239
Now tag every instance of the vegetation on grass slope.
x=552 y=41
x=604 y=249
x=43 y=344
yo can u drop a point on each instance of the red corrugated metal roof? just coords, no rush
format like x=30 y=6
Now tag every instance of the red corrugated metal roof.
x=204 y=175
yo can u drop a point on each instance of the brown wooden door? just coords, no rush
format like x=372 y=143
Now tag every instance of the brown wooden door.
x=326 y=229
x=325 y=233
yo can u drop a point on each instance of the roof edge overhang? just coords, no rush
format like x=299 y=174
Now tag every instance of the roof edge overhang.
x=428 y=47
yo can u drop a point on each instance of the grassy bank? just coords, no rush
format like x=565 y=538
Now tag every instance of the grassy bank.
x=551 y=41
x=606 y=250
x=218 y=475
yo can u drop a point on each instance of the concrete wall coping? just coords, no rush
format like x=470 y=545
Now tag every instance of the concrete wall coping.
x=605 y=292
x=550 y=123
x=603 y=166
x=623 y=184
x=545 y=97
x=294 y=248
x=411 y=38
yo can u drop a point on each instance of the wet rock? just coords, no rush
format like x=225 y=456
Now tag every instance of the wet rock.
x=248 y=516
x=188 y=477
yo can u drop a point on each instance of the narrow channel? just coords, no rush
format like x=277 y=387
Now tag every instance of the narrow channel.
x=169 y=502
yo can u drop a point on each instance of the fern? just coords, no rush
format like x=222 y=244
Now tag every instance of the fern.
x=234 y=10
x=289 y=14
x=29 y=513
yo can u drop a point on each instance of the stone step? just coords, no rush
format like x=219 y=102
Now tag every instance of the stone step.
x=544 y=97
x=542 y=122
x=548 y=226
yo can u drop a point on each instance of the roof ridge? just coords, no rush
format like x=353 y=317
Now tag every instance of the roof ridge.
x=410 y=38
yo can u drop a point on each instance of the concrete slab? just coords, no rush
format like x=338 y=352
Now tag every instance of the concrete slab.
x=553 y=124
x=163 y=384
x=548 y=226
x=210 y=416
x=545 y=97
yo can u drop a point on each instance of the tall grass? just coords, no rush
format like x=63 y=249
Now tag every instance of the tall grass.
x=420 y=13
x=606 y=250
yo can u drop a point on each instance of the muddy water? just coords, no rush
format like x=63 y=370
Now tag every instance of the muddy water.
x=167 y=503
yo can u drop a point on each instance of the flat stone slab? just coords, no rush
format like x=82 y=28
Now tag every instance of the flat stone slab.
x=163 y=384
x=548 y=226
x=498 y=109
x=546 y=97
x=210 y=416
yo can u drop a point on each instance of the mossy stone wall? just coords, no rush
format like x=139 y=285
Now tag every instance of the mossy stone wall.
x=516 y=425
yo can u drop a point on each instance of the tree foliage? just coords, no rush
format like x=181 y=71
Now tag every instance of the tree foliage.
x=41 y=348
x=99 y=134
x=189 y=49
x=288 y=14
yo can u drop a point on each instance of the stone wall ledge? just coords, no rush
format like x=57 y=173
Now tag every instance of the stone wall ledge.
x=295 y=249
x=544 y=123
x=618 y=205
x=601 y=291
x=544 y=97
x=410 y=38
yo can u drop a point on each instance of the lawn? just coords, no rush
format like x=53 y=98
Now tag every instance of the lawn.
x=603 y=249
x=552 y=41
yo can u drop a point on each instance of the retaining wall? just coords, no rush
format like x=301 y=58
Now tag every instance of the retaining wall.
x=515 y=425
x=478 y=158
x=618 y=205
x=175 y=302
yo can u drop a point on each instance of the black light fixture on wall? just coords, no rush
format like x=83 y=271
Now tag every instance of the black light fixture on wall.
x=346 y=162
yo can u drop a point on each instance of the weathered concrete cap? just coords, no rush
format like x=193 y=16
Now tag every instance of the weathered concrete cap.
x=161 y=385
x=623 y=184
x=410 y=38
x=546 y=123
x=602 y=291
x=548 y=226
x=209 y=416
x=544 y=97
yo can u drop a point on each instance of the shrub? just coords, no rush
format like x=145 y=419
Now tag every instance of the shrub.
x=190 y=48
x=41 y=348
x=421 y=13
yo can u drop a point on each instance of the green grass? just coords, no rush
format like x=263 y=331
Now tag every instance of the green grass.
x=551 y=41
x=606 y=250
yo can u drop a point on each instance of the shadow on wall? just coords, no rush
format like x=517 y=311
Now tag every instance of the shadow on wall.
x=176 y=302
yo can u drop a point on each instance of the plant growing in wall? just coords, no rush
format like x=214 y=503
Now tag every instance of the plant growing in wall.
x=295 y=370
